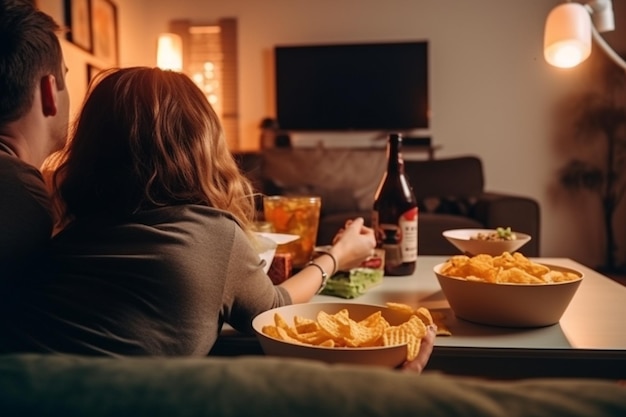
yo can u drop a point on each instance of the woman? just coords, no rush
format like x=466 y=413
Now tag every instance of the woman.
x=158 y=251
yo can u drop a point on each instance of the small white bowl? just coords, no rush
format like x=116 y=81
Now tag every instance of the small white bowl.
x=267 y=244
x=462 y=240
x=386 y=356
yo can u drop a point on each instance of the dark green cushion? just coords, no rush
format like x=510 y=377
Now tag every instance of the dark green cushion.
x=40 y=385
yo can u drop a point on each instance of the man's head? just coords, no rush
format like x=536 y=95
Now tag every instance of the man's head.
x=31 y=67
x=29 y=50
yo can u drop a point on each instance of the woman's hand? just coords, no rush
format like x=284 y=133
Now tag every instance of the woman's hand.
x=353 y=244
x=418 y=364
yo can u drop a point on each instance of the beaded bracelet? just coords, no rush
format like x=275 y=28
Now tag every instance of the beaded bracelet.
x=324 y=252
x=324 y=276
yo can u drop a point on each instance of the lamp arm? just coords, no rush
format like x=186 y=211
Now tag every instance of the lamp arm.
x=607 y=48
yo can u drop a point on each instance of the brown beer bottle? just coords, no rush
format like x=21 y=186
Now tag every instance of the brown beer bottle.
x=394 y=218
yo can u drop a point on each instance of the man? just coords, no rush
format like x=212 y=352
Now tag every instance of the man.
x=34 y=113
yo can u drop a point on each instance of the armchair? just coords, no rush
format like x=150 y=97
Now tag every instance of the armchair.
x=451 y=195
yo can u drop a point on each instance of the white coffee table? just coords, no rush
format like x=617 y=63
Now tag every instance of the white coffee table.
x=589 y=341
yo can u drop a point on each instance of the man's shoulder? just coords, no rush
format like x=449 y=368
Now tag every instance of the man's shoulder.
x=25 y=209
x=19 y=180
x=12 y=169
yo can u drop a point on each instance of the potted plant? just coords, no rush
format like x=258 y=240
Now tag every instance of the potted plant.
x=599 y=127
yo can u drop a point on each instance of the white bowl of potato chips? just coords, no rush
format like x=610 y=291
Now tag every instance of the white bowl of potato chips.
x=508 y=290
x=343 y=333
x=488 y=241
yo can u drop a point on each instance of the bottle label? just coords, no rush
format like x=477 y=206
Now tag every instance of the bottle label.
x=400 y=240
x=408 y=225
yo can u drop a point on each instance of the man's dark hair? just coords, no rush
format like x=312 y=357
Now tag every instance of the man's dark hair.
x=29 y=50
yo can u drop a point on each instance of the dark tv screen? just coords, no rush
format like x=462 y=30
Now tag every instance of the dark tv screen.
x=374 y=86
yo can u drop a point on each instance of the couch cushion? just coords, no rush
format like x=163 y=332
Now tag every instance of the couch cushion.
x=461 y=206
x=354 y=172
x=430 y=228
x=334 y=200
x=446 y=178
x=55 y=385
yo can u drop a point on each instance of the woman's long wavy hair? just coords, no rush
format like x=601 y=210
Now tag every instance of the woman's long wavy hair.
x=148 y=138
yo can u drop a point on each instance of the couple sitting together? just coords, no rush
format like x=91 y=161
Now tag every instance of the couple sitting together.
x=137 y=238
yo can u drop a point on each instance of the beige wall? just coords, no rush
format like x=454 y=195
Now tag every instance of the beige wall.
x=492 y=94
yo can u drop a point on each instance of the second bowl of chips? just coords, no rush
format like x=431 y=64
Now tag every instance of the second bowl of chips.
x=515 y=293
x=300 y=335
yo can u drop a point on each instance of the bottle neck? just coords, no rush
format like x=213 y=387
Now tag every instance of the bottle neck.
x=395 y=163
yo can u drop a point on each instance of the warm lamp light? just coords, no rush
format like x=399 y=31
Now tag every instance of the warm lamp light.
x=567 y=38
x=570 y=28
x=170 y=52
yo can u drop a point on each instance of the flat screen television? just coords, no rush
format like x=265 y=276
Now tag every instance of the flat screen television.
x=361 y=86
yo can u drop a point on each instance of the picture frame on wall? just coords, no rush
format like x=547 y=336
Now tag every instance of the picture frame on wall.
x=104 y=25
x=92 y=71
x=78 y=22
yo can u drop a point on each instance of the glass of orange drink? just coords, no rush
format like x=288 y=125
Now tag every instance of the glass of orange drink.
x=296 y=215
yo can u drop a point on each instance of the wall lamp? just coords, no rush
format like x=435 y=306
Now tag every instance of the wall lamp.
x=570 y=28
x=170 y=52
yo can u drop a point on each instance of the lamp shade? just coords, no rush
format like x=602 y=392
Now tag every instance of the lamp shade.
x=567 y=37
x=170 y=52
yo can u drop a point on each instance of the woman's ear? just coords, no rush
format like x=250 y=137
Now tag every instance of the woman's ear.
x=48 y=88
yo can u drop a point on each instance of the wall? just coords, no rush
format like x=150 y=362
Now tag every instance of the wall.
x=492 y=94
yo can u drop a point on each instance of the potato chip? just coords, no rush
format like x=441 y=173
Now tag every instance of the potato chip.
x=424 y=315
x=427 y=317
x=482 y=269
x=412 y=328
x=363 y=336
x=416 y=327
x=271 y=331
x=305 y=325
x=374 y=319
x=404 y=308
x=413 y=348
x=327 y=343
x=337 y=326
x=279 y=321
x=314 y=338
x=421 y=312
x=396 y=335
x=299 y=320
x=284 y=334
x=377 y=325
x=443 y=331
x=532 y=268
x=518 y=276
x=410 y=332
x=439 y=321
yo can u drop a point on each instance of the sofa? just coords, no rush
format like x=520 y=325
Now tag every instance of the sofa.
x=66 y=385
x=450 y=192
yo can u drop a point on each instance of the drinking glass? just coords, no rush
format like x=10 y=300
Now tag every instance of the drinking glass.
x=296 y=215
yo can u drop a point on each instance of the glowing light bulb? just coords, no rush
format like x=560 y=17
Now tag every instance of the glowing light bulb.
x=170 y=52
